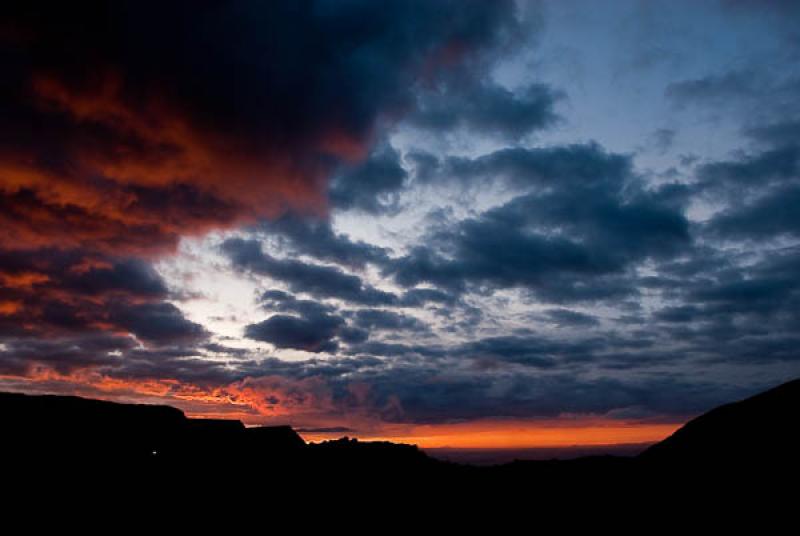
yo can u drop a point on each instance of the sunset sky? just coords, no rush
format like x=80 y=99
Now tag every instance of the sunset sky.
x=455 y=223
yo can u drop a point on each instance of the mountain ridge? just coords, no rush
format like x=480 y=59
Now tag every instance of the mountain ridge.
x=48 y=437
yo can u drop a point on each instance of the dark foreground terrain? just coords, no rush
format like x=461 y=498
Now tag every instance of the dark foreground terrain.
x=744 y=447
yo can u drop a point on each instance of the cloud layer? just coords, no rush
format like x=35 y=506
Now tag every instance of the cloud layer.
x=374 y=218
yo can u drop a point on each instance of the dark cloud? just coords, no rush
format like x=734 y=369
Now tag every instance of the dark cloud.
x=79 y=272
x=772 y=216
x=20 y=355
x=353 y=335
x=190 y=117
x=760 y=189
x=750 y=172
x=737 y=313
x=67 y=293
x=312 y=329
x=373 y=186
x=777 y=134
x=157 y=323
x=559 y=166
x=277 y=300
x=127 y=275
x=767 y=287
x=530 y=351
x=113 y=356
x=679 y=314
x=312 y=334
x=418 y=297
x=569 y=318
x=316 y=238
x=398 y=351
x=587 y=218
x=485 y=107
x=378 y=319
x=318 y=280
x=426 y=397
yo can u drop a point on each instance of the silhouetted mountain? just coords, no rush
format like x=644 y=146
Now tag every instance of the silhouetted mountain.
x=757 y=431
x=48 y=437
x=65 y=430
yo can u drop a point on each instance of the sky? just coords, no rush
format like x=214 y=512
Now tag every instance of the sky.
x=449 y=223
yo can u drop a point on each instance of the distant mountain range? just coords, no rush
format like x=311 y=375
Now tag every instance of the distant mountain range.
x=49 y=437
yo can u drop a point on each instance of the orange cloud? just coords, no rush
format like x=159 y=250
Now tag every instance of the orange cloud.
x=9 y=307
x=23 y=280
x=253 y=400
x=308 y=402
x=144 y=168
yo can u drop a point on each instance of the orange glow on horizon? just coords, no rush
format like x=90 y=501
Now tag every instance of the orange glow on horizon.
x=518 y=434
x=247 y=401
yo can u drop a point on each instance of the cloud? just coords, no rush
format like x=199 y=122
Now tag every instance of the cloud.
x=418 y=297
x=317 y=280
x=760 y=189
x=21 y=355
x=131 y=275
x=524 y=168
x=316 y=238
x=278 y=300
x=157 y=323
x=569 y=318
x=735 y=312
x=397 y=351
x=313 y=334
x=530 y=351
x=485 y=107
x=423 y=397
x=78 y=272
x=586 y=218
x=72 y=292
x=373 y=185
x=777 y=134
x=749 y=172
x=321 y=323
x=143 y=137
x=769 y=217
x=378 y=319
x=754 y=92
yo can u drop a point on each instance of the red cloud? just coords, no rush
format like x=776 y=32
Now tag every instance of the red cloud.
x=134 y=177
